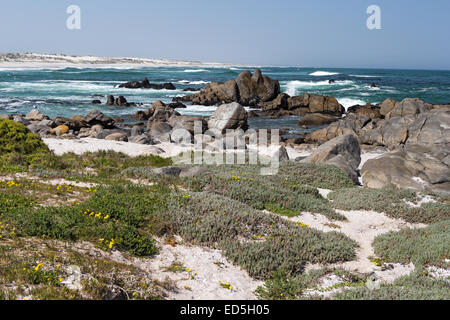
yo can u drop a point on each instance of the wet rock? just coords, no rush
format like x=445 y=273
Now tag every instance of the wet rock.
x=110 y=100
x=317 y=119
x=145 y=84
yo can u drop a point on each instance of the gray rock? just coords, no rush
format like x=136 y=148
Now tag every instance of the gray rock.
x=117 y=137
x=192 y=171
x=35 y=115
x=137 y=130
x=408 y=106
x=343 y=152
x=317 y=119
x=141 y=139
x=168 y=171
x=418 y=167
x=42 y=130
x=96 y=117
x=246 y=89
x=228 y=116
x=21 y=119
x=191 y=124
x=110 y=100
x=430 y=128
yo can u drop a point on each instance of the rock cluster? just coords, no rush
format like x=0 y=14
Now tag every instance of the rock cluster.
x=145 y=84
x=416 y=133
x=248 y=89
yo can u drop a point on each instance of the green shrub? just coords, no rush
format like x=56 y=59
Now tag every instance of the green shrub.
x=123 y=215
x=280 y=287
x=18 y=146
x=260 y=243
x=281 y=193
x=413 y=287
x=427 y=246
x=391 y=201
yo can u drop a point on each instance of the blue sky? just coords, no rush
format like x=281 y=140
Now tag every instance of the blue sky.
x=313 y=33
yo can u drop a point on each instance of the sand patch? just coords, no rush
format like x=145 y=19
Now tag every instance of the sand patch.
x=363 y=227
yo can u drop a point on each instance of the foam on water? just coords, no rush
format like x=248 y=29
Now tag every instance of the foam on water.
x=293 y=86
x=195 y=70
x=323 y=73
x=364 y=76
x=187 y=82
x=69 y=91
x=350 y=102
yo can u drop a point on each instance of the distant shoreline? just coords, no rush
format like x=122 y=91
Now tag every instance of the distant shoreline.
x=57 y=61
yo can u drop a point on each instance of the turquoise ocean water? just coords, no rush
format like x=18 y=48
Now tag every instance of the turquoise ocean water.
x=69 y=91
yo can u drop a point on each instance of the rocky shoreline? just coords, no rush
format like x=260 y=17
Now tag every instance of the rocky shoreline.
x=414 y=135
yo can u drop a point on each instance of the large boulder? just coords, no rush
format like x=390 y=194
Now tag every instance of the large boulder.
x=162 y=114
x=419 y=167
x=343 y=152
x=351 y=124
x=373 y=112
x=391 y=133
x=247 y=89
x=229 y=116
x=145 y=84
x=430 y=128
x=159 y=131
x=279 y=103
x=35 y=115
x=118 y=136
x=408 y=106
x=75 y=123
x=191 y=124
x=324 y=104
x=96 y=117
x=317 y=119
x=387 y=106
x=299 y=102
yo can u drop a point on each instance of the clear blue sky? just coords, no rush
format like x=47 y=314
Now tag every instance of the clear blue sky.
x=315 y=33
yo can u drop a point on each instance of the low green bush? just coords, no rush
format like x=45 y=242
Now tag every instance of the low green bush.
x=280 y=193
x=391 y=201
x=427 y=246
x=260 y=243
x=19 y=147
x=413 y=287
x=120 y=216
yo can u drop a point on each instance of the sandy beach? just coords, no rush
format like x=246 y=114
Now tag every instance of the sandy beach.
x=59 y=61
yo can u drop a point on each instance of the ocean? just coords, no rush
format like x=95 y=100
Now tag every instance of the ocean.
x=69 y=91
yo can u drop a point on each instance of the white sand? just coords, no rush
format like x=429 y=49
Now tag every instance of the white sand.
x=207 y=268
x=84 y=145
x=59 y=61
x=365 y=156
x=363 y=227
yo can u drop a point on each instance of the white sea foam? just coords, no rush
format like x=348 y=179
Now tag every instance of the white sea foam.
x=193 y=82
x=292 y=86
x=195 y=70
x=197 y=110
x=323 y=73
x=364 y=76
x=349 y=102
